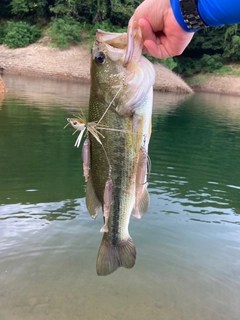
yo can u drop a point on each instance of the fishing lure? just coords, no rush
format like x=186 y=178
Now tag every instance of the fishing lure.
x=86 y=158
x=107 y=199
x=143 y=168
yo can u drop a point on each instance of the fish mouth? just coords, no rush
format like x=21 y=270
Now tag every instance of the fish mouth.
x=115 y=40
x=131 y=42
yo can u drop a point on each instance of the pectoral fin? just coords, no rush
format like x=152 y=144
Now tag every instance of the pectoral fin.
x=93 y=204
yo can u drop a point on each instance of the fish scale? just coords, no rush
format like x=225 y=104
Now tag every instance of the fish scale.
x=122 y=161
x=120 y=109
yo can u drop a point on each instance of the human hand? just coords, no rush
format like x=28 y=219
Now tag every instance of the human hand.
x=162 y=35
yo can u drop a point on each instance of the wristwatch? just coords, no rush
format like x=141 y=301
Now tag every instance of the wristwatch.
x=191 y=15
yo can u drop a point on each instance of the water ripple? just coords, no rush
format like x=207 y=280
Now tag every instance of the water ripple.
x=62 y=210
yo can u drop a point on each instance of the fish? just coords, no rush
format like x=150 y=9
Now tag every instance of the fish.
x=118 y=133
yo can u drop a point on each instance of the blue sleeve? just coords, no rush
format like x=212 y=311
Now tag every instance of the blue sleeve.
x=219 y=12
x=213 y=12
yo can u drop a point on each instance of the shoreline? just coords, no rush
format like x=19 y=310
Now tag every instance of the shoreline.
x=73 y=64
x=227 y=84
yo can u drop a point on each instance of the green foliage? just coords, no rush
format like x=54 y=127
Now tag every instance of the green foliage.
x=151 y=58
x=3 y=31
x=99 y=10
x=211 y=63
x=64 y=7
x=206 y=41
x=64 y=31
x=106 y=25
x=22 y=8
x=19 y=7
x=170 y=63
x=5 y=9
x=232 y=48
x=195 y=81
x=121 y=13
x=90 y=29
x=222 y=40
x=224 y=70
x=231 y=43
x=20 y=34
x=205 y=52
x=189 y=66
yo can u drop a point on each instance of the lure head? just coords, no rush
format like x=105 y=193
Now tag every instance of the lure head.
x=77 y=124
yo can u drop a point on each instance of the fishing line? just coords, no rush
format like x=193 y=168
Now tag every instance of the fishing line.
x=123 y=80
x=111 y=103
x=110 y=167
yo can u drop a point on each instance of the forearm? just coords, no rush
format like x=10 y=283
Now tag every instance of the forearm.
x=212 y=12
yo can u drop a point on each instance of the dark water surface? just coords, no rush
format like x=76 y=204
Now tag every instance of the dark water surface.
x=188 y=244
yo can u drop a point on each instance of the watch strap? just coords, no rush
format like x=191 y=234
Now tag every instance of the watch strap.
x=191 y=15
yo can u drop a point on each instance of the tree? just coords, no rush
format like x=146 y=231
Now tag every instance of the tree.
x=21 y=8
x=231 y=43
x=64 y=7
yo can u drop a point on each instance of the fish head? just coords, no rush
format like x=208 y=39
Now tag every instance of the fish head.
x=107 y=68
x=119 y=71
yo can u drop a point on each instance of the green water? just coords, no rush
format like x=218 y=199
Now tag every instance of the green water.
x=188 y=243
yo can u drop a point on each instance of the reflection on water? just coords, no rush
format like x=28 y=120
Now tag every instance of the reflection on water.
x=188 y=247
x=196 y=159
x=62 y=210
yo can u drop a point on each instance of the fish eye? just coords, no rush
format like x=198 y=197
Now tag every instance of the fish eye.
x=100 y=58
x=75 y=123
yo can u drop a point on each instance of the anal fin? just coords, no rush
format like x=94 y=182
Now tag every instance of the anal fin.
x=105 y=226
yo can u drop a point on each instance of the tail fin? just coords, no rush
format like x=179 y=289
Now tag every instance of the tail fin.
x=111 y=257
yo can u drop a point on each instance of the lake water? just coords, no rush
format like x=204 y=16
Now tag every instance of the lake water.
x=188 y=243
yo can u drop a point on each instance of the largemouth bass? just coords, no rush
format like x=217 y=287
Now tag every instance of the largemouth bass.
x=119 y=129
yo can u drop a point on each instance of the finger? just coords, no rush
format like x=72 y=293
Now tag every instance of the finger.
x=152 y=41
x=147 y=32
x=159 y=51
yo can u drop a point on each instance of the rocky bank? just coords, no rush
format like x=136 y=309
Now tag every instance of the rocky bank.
x=70 y=64
x=41 y=60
